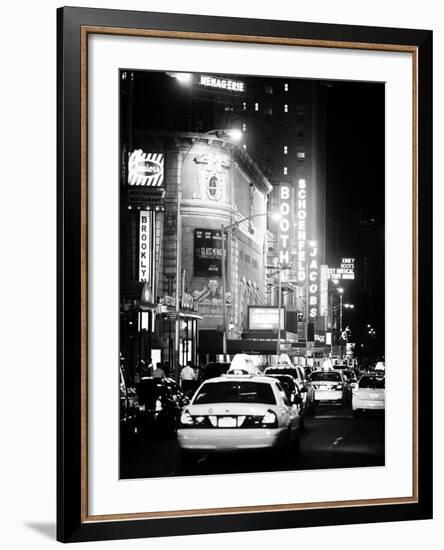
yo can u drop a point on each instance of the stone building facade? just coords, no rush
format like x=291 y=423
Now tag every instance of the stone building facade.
x=213 y=183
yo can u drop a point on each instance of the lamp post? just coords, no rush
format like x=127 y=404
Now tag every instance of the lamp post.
x=278 y=342
x=340 y=290
x=276 y=216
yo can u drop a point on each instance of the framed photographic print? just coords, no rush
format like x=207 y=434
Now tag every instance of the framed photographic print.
x=244 y=274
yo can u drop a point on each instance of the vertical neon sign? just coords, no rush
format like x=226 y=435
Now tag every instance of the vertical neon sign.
x=313 y=279
x=301 y=238
x=284 y=227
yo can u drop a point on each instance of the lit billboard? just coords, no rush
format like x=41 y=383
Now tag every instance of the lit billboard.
x=146 y=169
x=265 y=318
x=346 y=271
x=207 y=253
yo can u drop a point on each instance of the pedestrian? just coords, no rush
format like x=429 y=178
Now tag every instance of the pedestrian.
x=166 y=368
x=188 y=378
x=150 y=368
x=141 y=371
x=158 y=371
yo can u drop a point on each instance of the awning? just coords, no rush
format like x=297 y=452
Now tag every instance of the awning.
x=172 y=314
x=210 y=341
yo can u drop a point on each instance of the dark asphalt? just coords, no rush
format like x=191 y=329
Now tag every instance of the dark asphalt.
x=332 y=438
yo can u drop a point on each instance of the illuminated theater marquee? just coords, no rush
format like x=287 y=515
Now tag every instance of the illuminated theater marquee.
x=313 y=279
x=222 y=83
x=284 y=225
x=301 y=237
x=307 y=264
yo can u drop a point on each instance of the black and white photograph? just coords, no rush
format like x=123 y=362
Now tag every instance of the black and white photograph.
x=252 y=290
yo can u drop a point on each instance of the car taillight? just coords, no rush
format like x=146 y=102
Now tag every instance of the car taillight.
x=186 y=419
x=338 y=387
x=269 y=419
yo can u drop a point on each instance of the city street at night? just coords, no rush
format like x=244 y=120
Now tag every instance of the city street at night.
x=251 y=273
x=332 y=438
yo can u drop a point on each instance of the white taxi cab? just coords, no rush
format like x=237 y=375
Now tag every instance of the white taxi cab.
x=330 y=386
x=239 y=412
x=369 y=395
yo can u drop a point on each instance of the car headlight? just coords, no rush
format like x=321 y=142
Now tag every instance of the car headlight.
x=338 y=387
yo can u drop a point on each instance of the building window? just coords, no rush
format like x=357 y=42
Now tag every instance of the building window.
x=214 y=189
x=256 y=106
x=300 y=109
x=301 y=155
x=285 y=149
x=269 y=111
x=269 y=90
x=286 y=87
x=285 y=170
x=254 y=263
x=244 y=127
x=244 y=105
x=286 y=108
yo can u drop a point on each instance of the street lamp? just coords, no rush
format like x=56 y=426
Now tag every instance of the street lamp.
x=276 y=216
x=183 y=78
x=233 y=133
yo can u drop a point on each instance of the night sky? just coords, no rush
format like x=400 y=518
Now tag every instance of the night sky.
x=355 y=195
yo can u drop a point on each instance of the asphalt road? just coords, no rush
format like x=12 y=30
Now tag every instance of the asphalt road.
x=332 y=438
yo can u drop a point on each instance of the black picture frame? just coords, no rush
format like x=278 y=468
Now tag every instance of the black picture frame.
x=73 y=523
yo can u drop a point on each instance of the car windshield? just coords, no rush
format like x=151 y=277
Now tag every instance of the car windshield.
x=371 y=382
x=235 y=392
x=325 y=377
x=282 y=370
x=286 y=383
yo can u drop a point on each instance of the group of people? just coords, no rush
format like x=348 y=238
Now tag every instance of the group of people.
x=188 y=374
x=148 y=370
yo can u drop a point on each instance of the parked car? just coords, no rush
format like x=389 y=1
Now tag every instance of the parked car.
x=369 y=395
x=238 y=412
x=298 y=374
x=330 y=386
x=161 y=401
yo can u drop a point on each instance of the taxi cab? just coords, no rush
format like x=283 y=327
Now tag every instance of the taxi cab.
x=238 y=412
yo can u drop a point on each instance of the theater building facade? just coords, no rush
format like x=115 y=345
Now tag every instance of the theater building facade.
x=192 y=185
